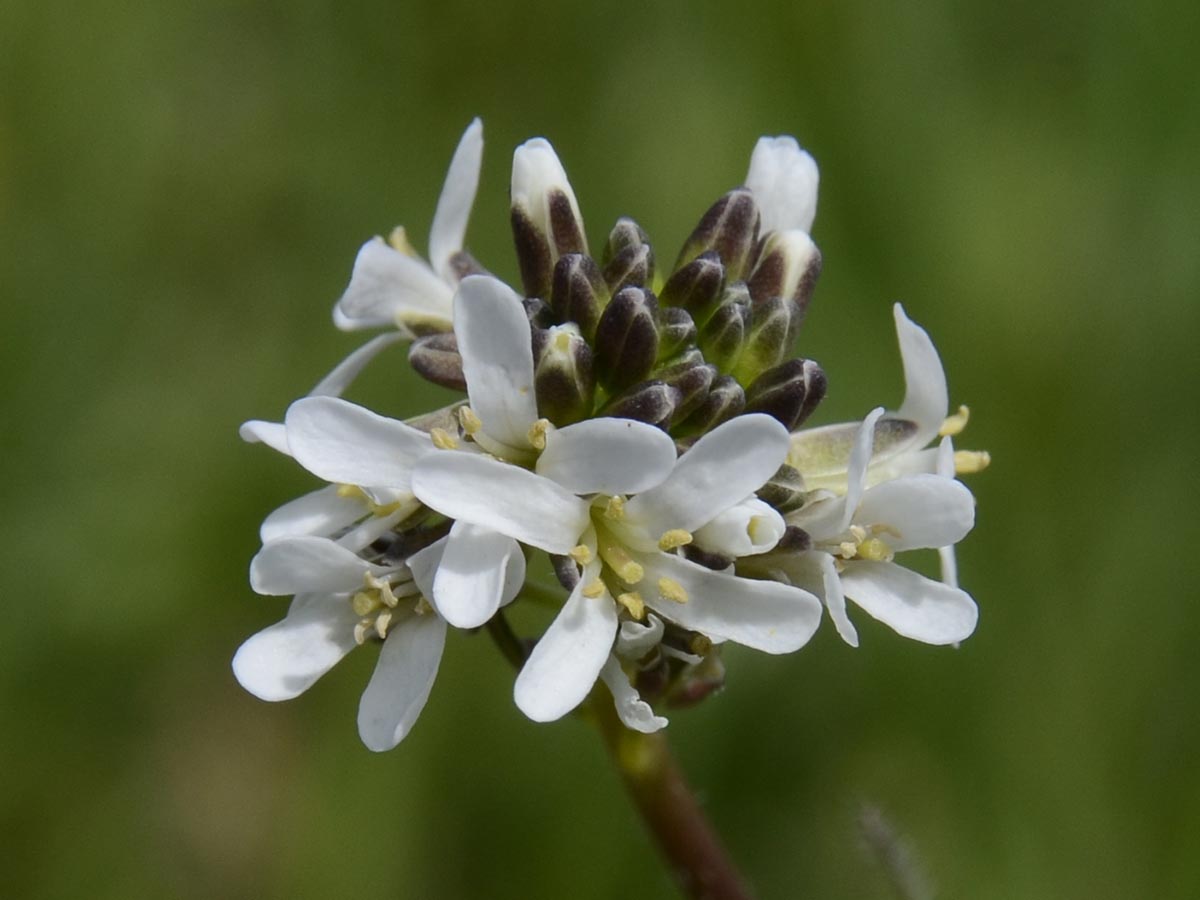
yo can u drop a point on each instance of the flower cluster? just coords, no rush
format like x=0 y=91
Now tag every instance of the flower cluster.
x=640 y=425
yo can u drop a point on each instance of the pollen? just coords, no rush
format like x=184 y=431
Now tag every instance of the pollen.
x=398 y=240
x=593 y=589
x=615 y=509
x=968 y=462
x=582 y=554
x=537 y=434
x=443 y=440
x=365 y=602
x=956 y=423
x=672 y=590
x=633 y=602
x=876 y=550
x=673 y=539
x=470 y=422
x=619 y=560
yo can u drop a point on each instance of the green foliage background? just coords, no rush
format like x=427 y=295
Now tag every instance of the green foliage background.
x=183 y=186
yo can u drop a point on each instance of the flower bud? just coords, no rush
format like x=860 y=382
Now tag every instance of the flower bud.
x=789 y=392
x=545 y=215
x=538 y=312
x=632 y=266
x=436 y=358
x=562 y=374
x=692 y=377
x=652 y=402
x=724 y=335
x=730 y=227
x=784 y=180
x=626 y=341
x=768 y=341
x=463 y=264
x=578 y=293
x=696 y=682
x=726 y=399
x=784 y=490
x=696 y=287
x=676 y=331
x=788 y=266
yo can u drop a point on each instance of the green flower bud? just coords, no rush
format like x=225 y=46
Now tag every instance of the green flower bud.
x=696 y=287
x=676 y=331
x=789 y=392
x=726 y=399
x=578 y=293
x=436 y=358
x=768 y=341
x=730 y=227
x=626 y=341
x=652 y=402
x=562 y=374
x=724 y=335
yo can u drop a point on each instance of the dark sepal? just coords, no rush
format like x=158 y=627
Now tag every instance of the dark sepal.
x=626 y=341
x=789 y=392
x=436 y=358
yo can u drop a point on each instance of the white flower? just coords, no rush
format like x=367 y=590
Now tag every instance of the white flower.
x=901 y=438
x=854 y=537
x=783 y=179
x=390 y=284
x=342 y=601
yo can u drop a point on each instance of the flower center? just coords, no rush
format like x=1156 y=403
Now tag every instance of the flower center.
x=859 y=542
x=384 y=601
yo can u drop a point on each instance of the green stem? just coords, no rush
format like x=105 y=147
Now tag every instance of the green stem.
x=689 y=844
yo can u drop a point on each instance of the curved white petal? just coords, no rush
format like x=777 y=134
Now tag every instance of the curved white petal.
x=636 y=639
x=746 y=529
x=765 y=615
x=721 y=469
x=860 y=458
x=919 y=510
x=564 y=664
x=424 y=565
x=503 y=498
x=346 y=443
x=926 y=397
x=386 y=284
x=454 y=205
x=335 y=383
x=911 y=604
x=284 y=660
x=273 y=434
x=403 y=677
x=497 y=358
x=321 y=512
x=607 y=456
x=305 y=564
x=372 y=528
x=783 y=179
x=835 y=598
x=632 y=710
x=471 y=577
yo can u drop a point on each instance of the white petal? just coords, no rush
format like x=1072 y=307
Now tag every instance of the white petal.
x=471 y=577
x=454 y=205
x=503 y=498
x=374 y=527
x=403 y=677
x=926 y=397
x=536 y=172
x=632 y=710
x=835 y=598
x=424 y=565
x=636 y=639
x=748 y=528
x=860 y=457
x=322 y=512
x=348 y=444
x=284 y=660
x=273 y=434
x=303 y=564
x=564 y=664
x=335 y=383
x=386 y=284
x=497 y=357
x=607 y=456
x=721 y=469
x=784 y=181
x=944 y=464
x=911 y=604
x=765 y=615
x=926 y=510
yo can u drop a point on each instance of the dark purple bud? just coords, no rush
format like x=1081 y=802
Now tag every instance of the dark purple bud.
x=436 y=358
x=578 y=293
x=730 y=227
x=789 y=392
x=626 y=340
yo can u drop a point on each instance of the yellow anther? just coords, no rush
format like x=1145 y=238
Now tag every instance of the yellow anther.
x=382 y=621
x=619 y=560
x=633 y=602
x=968 y=462
x=700 y=644
x=876 y=550
x=594 y=589
x=537 y=434
x=443 y=440
x=470 y=422
x=386 y=509
x=352 y=490
x=398 y=240
x=674 y=539
x=581 y=554
x=956 y=423
x=849 y=549
x=365 y=602
x=423 y=607
x=672 y=590
x=562 y=340
x=859 y=533
x=360 y=631
x=615 y=508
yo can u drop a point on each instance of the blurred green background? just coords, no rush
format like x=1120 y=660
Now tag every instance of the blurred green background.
x=183 y=187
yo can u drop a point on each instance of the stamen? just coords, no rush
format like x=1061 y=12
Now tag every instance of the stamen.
x=423 y=607
x=581 y=554
x=443 y=440
x=673 y=539
x=470 y=422
x=849 y=549
x=876 y=550
x=382 y=621
x=968 y=462
x=619 y=560
x=633 y=602
x=537 y=434
x=352 y=490
x=700 y=644
x=398 y=240
x=672 y=590
x=365 y=602
x=594 y=589
x=956 y=423
x=615 y=509
x=360 y=631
